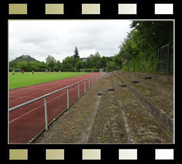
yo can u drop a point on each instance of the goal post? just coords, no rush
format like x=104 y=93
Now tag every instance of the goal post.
x=101 y=70
x=82 y=70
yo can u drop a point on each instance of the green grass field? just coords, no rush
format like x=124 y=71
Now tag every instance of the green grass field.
x=18 y=80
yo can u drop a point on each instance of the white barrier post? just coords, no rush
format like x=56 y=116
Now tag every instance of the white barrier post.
x=45 y=108
x=85 y=86
x=89 y=83
x=78 y=90
x=68 y=97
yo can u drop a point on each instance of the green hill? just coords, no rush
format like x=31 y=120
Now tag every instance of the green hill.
x=26 y=58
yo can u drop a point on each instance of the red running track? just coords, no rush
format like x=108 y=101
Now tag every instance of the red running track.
x=27 y=121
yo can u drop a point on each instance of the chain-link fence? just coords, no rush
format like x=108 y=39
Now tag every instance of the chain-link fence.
x=128 y=64
x=163 y=59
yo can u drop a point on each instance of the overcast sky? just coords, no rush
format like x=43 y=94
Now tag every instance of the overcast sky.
x=58 y=38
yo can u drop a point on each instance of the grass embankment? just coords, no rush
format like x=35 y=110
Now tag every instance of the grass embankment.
x=21 y=80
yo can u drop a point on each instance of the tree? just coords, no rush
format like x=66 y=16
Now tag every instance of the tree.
x=51 y=64
x=68 y=63
x=79 y=64
x=34 y=63
x=23 y=66
x=96 y=57
x=50 y=58
x=13 y=64
x=111 y=66
x=69 y=66
x=142 y=43
x=29 y=64
x=34 y=68
x=94 y=60
x=50 y=61
x=42 y=66
x=76 y=54
x=59 y=65
x=89 y=63
x=68 y=59
x=99 y=65
x=103 y=60
x=117 y=60
x=154 y=34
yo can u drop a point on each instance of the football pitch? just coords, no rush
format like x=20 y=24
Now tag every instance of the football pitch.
x=21 y=80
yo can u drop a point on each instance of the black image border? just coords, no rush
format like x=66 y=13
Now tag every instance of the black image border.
x=73 y=152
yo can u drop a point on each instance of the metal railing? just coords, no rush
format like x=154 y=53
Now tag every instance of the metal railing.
x=91 y=81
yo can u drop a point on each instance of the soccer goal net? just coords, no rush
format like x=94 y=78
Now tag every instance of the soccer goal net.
x=101 y=70
x=82 y=70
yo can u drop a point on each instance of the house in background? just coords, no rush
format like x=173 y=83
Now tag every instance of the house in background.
x=26 y=56
x=84 y=59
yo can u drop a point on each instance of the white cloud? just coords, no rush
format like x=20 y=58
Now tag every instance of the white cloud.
x=60 y=37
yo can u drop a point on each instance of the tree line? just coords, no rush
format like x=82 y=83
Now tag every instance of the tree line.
x=73 y=63
x=138 y=52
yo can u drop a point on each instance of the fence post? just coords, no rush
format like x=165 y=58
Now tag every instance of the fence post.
x=78 y=89
x=45 y=108
x=67 y=97
x=85 y=86
x=168 y=59
x=89 y=83
x=158 y=60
